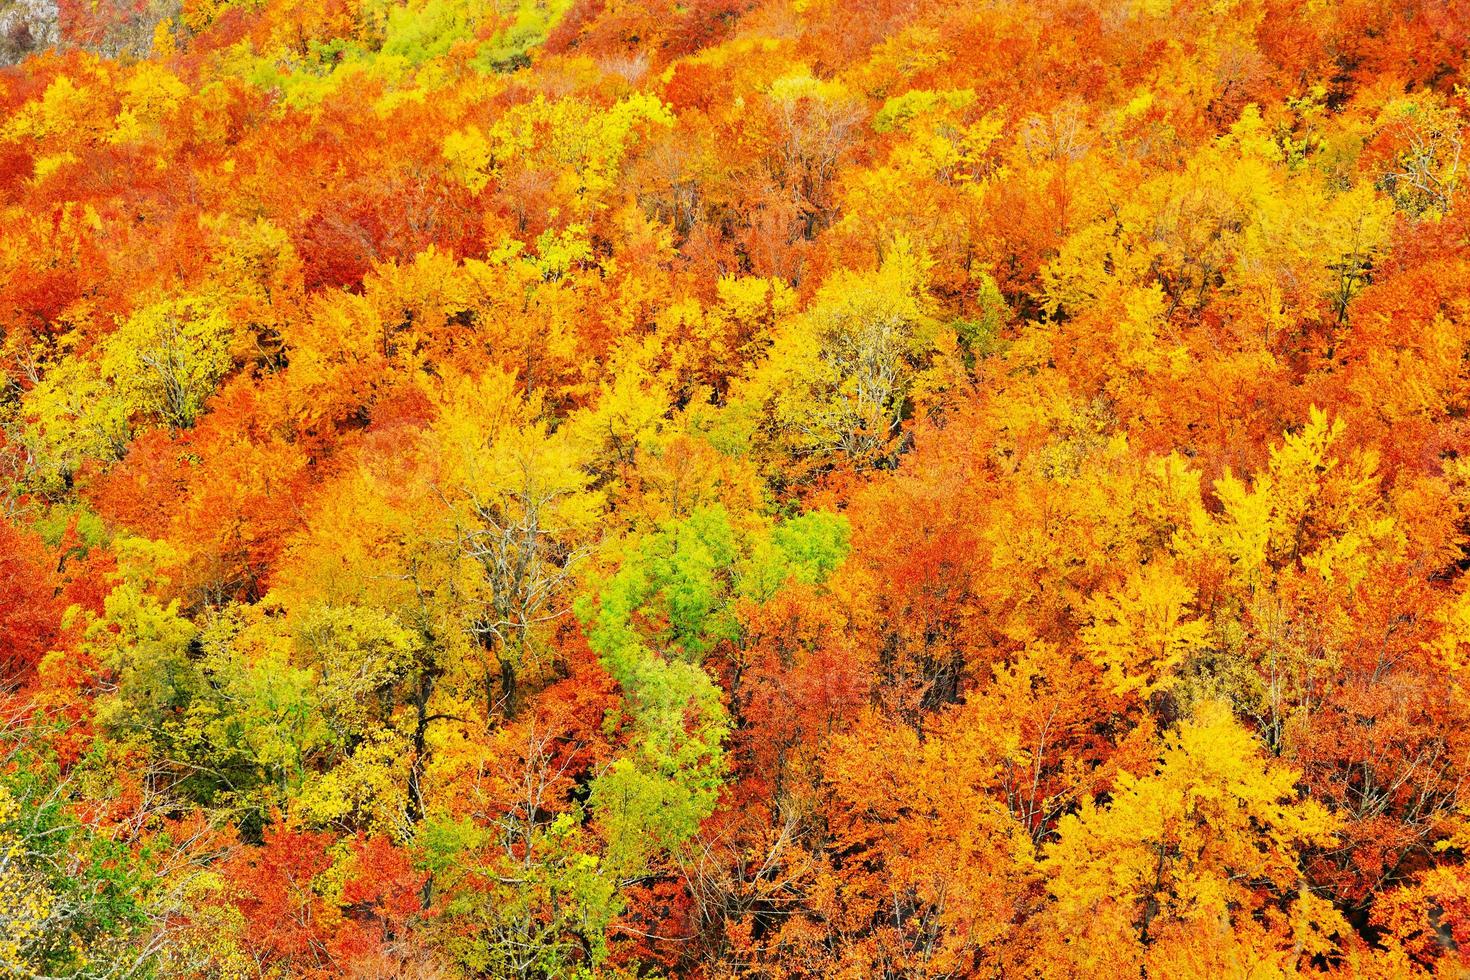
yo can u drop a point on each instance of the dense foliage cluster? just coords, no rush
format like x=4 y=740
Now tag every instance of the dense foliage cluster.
x=736 y=488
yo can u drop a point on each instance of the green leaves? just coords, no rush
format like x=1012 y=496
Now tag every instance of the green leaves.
x=807 y=548
x=72 y=895
x=657 y=617
x=669 y=605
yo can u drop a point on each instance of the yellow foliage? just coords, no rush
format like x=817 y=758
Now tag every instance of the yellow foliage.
x=1139 y=635
x=839 y=374
x=1193 y=841
x=467 y=152
x=368 y=789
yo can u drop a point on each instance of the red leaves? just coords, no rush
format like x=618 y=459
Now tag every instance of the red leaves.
x=31 y=604
x=381 y=898
x=292 y=919
x=274 y=887
x=803 y=681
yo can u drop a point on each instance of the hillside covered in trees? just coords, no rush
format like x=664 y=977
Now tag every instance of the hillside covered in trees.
x=778 y=489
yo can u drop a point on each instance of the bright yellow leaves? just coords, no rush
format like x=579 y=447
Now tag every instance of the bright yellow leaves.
x=358 y=653
x=1140 y=634
x=935 y=139
x=712 y=344
x=626 y=420
x=144 y=643
x=839 y=375
x=165 y=359
x=1245 y=531
x=65 y=113
x=498 y=453
x=1207 y=835
x=467 y=153
x=1311 y=506
x=369 y=788
x=579 y=146
x=101 y=105
x=148 y=95
x=490 y=507
x=941 y=143
x=1244 y=226
x=558 y=252
x=1203 y=584
x=72 y=416
x=520 y=509
x=1451 y=649
x=158 y=367
x=1427 y=141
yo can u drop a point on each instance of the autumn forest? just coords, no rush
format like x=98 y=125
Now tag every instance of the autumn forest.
x=779 y=489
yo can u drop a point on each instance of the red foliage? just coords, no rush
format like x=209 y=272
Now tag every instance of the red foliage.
x=30 y=604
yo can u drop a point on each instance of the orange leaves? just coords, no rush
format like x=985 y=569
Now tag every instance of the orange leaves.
x=275 y=893
x=1189 y=843
x=383 y=891
x=929 y=865
x=227 y=494
x=797 y=682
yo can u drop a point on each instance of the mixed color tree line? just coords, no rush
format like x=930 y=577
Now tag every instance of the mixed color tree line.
x=734 y=489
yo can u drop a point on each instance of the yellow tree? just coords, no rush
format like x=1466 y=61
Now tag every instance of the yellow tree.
x=839 y=377
x=1211 y=836
x=520 y=510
